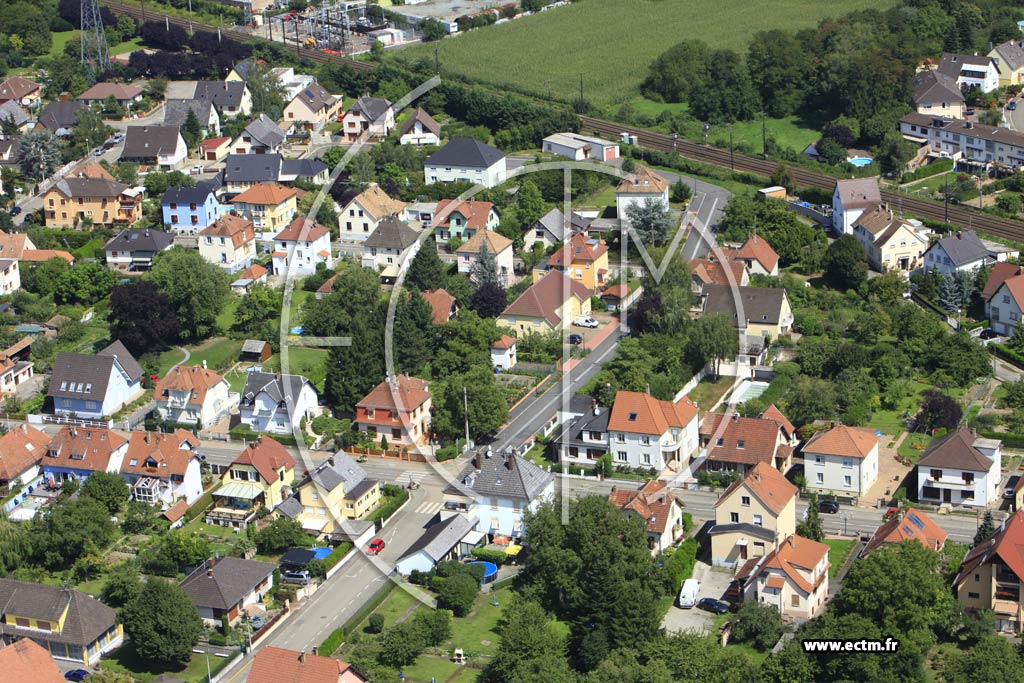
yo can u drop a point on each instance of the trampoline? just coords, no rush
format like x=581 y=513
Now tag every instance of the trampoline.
x=490 y=571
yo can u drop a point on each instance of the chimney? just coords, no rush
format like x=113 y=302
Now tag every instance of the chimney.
x=647 y=389
x=302 y=657
x=314 y=650
x=959 y=235
x=792 y=541
x=204 y=364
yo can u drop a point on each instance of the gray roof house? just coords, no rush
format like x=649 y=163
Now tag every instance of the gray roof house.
x=94 y=386
x=135 y=248
x=273 y=402
x=937 y=93
x=392 y=234
x=13 y=111
x=176 y=114
x=154 y=145
x=468 y=152
x=231 y=98
x=225 y=586
x=439 y=542
x=60 y=117
x=77 y=627
x=757 y=312
x=243 y=170
x=963 y=250
x=261 y=136
x=338 y=479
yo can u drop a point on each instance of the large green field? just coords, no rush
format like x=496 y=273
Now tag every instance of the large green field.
x=610 y=43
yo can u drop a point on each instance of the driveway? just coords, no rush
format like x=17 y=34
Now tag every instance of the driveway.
x=713 y=583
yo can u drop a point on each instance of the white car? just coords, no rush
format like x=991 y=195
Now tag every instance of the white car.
x=584 y=321
x=688 y=593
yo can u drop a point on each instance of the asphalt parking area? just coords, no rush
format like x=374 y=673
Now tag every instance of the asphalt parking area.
x=714 y=581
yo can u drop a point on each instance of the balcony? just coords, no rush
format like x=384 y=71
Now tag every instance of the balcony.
x=1008 y=591
x=949 y=482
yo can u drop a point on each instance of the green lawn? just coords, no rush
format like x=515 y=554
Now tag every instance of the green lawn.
x=913 y=446
x=932 y=184
x=60 y=40
x=303 y=361
x=226 y=317
x=219 y=353
x=236 y=379
x=708 y=391
x=611 y=43
x=394 y=606
x=838 y=550
x=299 y=297
x=892 y=422
x=477 y=633
x=426 y=669
x=125 y=660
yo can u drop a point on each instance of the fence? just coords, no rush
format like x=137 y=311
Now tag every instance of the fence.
x=65 y=420
x=388 y=454
x=691 y=385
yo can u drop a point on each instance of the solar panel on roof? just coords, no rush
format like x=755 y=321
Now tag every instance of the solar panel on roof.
x=916 y=521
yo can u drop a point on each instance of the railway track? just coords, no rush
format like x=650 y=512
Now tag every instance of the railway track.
x=993 y=225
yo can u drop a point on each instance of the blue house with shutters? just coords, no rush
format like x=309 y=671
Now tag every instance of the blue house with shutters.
x=189 y=210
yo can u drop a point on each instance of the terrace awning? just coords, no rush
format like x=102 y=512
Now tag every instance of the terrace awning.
x=512 y=550
x=239 y=489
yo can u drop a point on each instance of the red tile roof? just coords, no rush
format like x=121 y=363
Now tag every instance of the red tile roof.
x=504 y=342
x=652 y=502
x=83 y=448
x=757 y=249
x=773 y=413
x=743 y=440
x=328 y=286
x=1015 y=286
x=545 y=296
x=277 y=665
x=176 y=511
x=475 y=212
x=1007 y=545
x=159 y=455
x=44 y=255
x=253 y=272
x=619 y=292
x=796 y=553
x=844 y=441
x=639 y=413
x=1001 y=272
x=265 y=194
x=191 y=378
x=582 y=248
x=20 y=449
x=642 y=180
x=911 y=525
x=302 y=230
x=27 y=661
x=440 y=303
x=239 y=229
x=267 y=457
x=404 y=394
x=213 y=143
x=715 y=273
x=767 y=483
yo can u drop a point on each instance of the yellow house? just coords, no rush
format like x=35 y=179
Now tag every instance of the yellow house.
x=337 y=490
x=582 y=258
x=793 y=578
x=992 y=574
x=261 y=476
x=758 y=312
x=69 y=624
x=891 y=242
x=1009 y=58
x=94 y=195
x=543 y=306
x=269 y=206
x=753 y=516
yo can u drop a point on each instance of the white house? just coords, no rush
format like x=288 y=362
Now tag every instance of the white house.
x=497 y=245
x=850 y=199
x=661 y=511
x=449 y=536
x=960 y=468
x=793 y=578
x=162 y=468
x=374 y=116
x=971 y=141
x=963 y=251
x=160 y=146
x=580 y=147
x=970 y=71
x=465 y=160
x=365 y=211
x=646 y=432
x=497 y=488
x=637 y=188
x=313 y=107
x=277 y=403
x=300 y=246
x=135 y=248
x=192 y=394
x=10 y=276
x=229 y=242
x=842 y=460
x=93 y=387
x=1005 y=306
x=421 y=129
x=503 y=353
x=391 y=245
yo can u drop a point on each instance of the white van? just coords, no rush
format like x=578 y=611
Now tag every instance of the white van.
x=688 y=593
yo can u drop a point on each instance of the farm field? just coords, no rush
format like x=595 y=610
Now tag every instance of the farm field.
x=612 y=42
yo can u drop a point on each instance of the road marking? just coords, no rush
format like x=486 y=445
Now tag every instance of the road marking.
x=415 y=475
x=429 y=507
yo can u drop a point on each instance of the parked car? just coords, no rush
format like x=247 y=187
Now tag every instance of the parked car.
x=117 y=137
x=1011 y=485
x=713 y=606
x=575 y=338
x=688 y=593
x=988 y=333
x=830 y=507
x=585 y=321
x=300 y=577
x=15 y=210
x=376 y=545
x=1012 y=105
x=76 y=675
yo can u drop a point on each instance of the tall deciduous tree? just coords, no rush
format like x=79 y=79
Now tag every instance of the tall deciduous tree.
x=266 y=90
x=477 y=389
x=163 y=624
x=86 y=283
x=197 y=289
x=107 y=488
x=845 y=263
x=142 y=317
x=811 y=527
x=257 y=312
x=528 y=634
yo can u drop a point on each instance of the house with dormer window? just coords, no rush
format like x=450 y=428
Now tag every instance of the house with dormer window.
x=163 y=468
x=646 y=432
x=398 y=410
x=93 y=387
x=192 y=394
x=753 y=516
x=260 y=476
x=277 y=403
x=338 y=489
x=76 y=452
x=793 y=578
x=991 y=575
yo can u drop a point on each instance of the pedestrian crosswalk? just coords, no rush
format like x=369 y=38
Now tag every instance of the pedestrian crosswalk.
x=405 y=477
x=428 y=507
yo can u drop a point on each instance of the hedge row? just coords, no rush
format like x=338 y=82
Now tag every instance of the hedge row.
x=498 y=557
x=1006 y=353
x=934 y=168
x=333 y=642
x=386 y=509
x=200 y=506
x=1009 y=439
x=681 y=562
x=325 y=565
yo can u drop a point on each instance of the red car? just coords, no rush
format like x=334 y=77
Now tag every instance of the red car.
x=376 y=545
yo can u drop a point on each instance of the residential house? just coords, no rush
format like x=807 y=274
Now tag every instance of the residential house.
x=420 y=129
x=465 y=160
x=442 y=305
x=647 y=432
x=965 y=141
x=20 y=90
x=584 y=437
x=188 y=210
x=11 y=112
x=269 y=206
x=753 y=516
x=21 y=452
x=580 y=147
x=549 y=230
x=936 y=94
x=176 y=114
x=24 y=660
x=277 y=403
x=970 y=71
x=300 y=247
x=135 y=248
x=891 y=242
x=309 y=170
x=292 y=83
x=103 y=201
x=503 y=353
x=448 y=536
x=660 y=510
x=1005 y=304
x=94 y=387
x=737 y=444
x=907 y=525
x=496 y=489
x=76 y=452
x=546 y=305
x=163 y=468
x=124 y=94
x=261 y=136
x=160 y=146
x=396 y=410
x=757 y=255
x=706 y=271
x=374 y=116
x=842 y=460
x=59 y=117
x=793 y=578
x=10 y=276
x=67 y=623
x=1009 y=60
x=254 y=274
x=421 y=212
x=962 y=251
x=960 y=468
x=336 y=490
x=461 y=219
x=276 y=665
x=616 y=297
x=392 y=245
x=214 y=149
x=18 y=246
x=231 y=98
x=229 y=242
x=223 y=587
x=15 y=366
x=192 y=394
x=365 y=211
x=583 y=258
x=496 y=244
x=639 y=186
x=761 y=314
x=242 y=171
x=260 y=476
x=313 y=107
x=851 y=198
x=991 y=574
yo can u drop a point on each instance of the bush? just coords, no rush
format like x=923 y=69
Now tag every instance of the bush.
x=498 y=557
x=934 y=168
x=375 y=624
x=680 y=562
x=401 y=645
x=435 y=626
x=758 y=624
x=458 y=593
x=331 y=643
x=687 y=523
x=396 y=496
x=716 y=479
x=280 y=535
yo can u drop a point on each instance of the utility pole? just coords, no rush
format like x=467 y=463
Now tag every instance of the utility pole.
x=764 y=135
x=581 y=91
x=295 y=21
x=437 y=61
x=94 y=38
x=945 y=197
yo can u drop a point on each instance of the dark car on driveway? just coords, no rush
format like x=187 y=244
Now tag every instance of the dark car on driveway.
x=828 y=506
x=988 y=333
x=575 y=338
x=15 y=210
x=76 y=675
x=713 y=606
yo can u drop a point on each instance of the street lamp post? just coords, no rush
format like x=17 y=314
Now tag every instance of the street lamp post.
x=707 y=127
x=732 y=164
x=675 y=136
x=846 y=517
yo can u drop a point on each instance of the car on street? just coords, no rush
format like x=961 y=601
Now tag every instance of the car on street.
x=575 y=338
x=376 y=545
x=585 y=321
x=830 y=507
x=1011 y=486
x=1012 y=105
x=988 y=333
x=99 y=152
x=713 y=606
x=15 y=210
x=76 y=675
